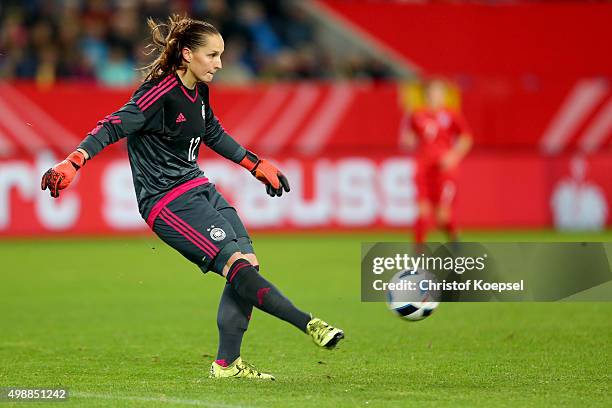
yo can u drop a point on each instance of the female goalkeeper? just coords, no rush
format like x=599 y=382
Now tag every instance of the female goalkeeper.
x=165 y=122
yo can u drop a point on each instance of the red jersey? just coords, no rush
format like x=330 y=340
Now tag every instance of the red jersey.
x=436 y=132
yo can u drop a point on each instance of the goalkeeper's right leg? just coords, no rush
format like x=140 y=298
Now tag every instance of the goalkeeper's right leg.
x=253 y=287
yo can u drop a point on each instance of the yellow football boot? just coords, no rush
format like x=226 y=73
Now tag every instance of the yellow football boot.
x=238 y=369
x=323 y=334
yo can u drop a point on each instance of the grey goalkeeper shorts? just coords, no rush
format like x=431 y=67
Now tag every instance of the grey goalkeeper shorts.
x=201 y=225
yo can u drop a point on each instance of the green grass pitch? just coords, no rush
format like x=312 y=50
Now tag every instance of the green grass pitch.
x=130 y=323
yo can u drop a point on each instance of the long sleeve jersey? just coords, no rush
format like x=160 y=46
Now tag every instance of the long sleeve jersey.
x=165 y=124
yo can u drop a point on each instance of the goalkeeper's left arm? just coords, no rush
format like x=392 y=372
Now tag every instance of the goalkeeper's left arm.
x=128 y=120
x=222 y=143
x=108 y=130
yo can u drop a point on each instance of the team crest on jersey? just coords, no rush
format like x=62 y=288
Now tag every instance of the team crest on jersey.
x=216 y=233
x=444 y=119
x=203 y=112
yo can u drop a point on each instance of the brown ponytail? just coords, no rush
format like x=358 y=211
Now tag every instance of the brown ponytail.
x=170 y=39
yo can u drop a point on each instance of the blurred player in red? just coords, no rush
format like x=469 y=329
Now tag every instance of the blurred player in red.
x=440 y=139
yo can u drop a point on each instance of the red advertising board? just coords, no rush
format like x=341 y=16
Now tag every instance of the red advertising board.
x=309 y=118
x=329 y=192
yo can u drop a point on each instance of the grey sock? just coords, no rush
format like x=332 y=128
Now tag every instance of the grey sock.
x=255 y=289
x=232 y=320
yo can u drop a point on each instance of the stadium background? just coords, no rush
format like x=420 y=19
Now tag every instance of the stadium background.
x=92 y=301
x=535 y=98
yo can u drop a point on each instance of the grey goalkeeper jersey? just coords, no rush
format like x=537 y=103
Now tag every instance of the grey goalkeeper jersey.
x=165 y=125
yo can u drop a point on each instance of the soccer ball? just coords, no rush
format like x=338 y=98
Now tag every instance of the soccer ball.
x=406 y=297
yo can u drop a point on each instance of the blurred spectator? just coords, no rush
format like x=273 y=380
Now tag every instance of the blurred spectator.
x=104 y=40
x=117 y=69
x=361 y=67
x=300 y=31
x=251 y=15
x=93 y=42
x=72 y=63
x=235 y=70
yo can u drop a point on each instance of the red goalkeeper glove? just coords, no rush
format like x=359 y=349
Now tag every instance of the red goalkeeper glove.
x=61 y=175
x=267 y=173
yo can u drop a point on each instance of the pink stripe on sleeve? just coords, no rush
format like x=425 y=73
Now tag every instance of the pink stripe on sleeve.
x=154 y=89
x=145 y=105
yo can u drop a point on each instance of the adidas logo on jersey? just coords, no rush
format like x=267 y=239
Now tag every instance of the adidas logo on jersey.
x=180 y=118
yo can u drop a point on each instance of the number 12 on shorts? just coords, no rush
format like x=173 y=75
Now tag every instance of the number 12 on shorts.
x=193 y=146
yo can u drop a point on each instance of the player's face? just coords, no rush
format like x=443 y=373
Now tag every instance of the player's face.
x=206 y=60
x=435 y=95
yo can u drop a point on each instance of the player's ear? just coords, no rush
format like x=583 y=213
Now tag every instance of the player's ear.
x=187 y=55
